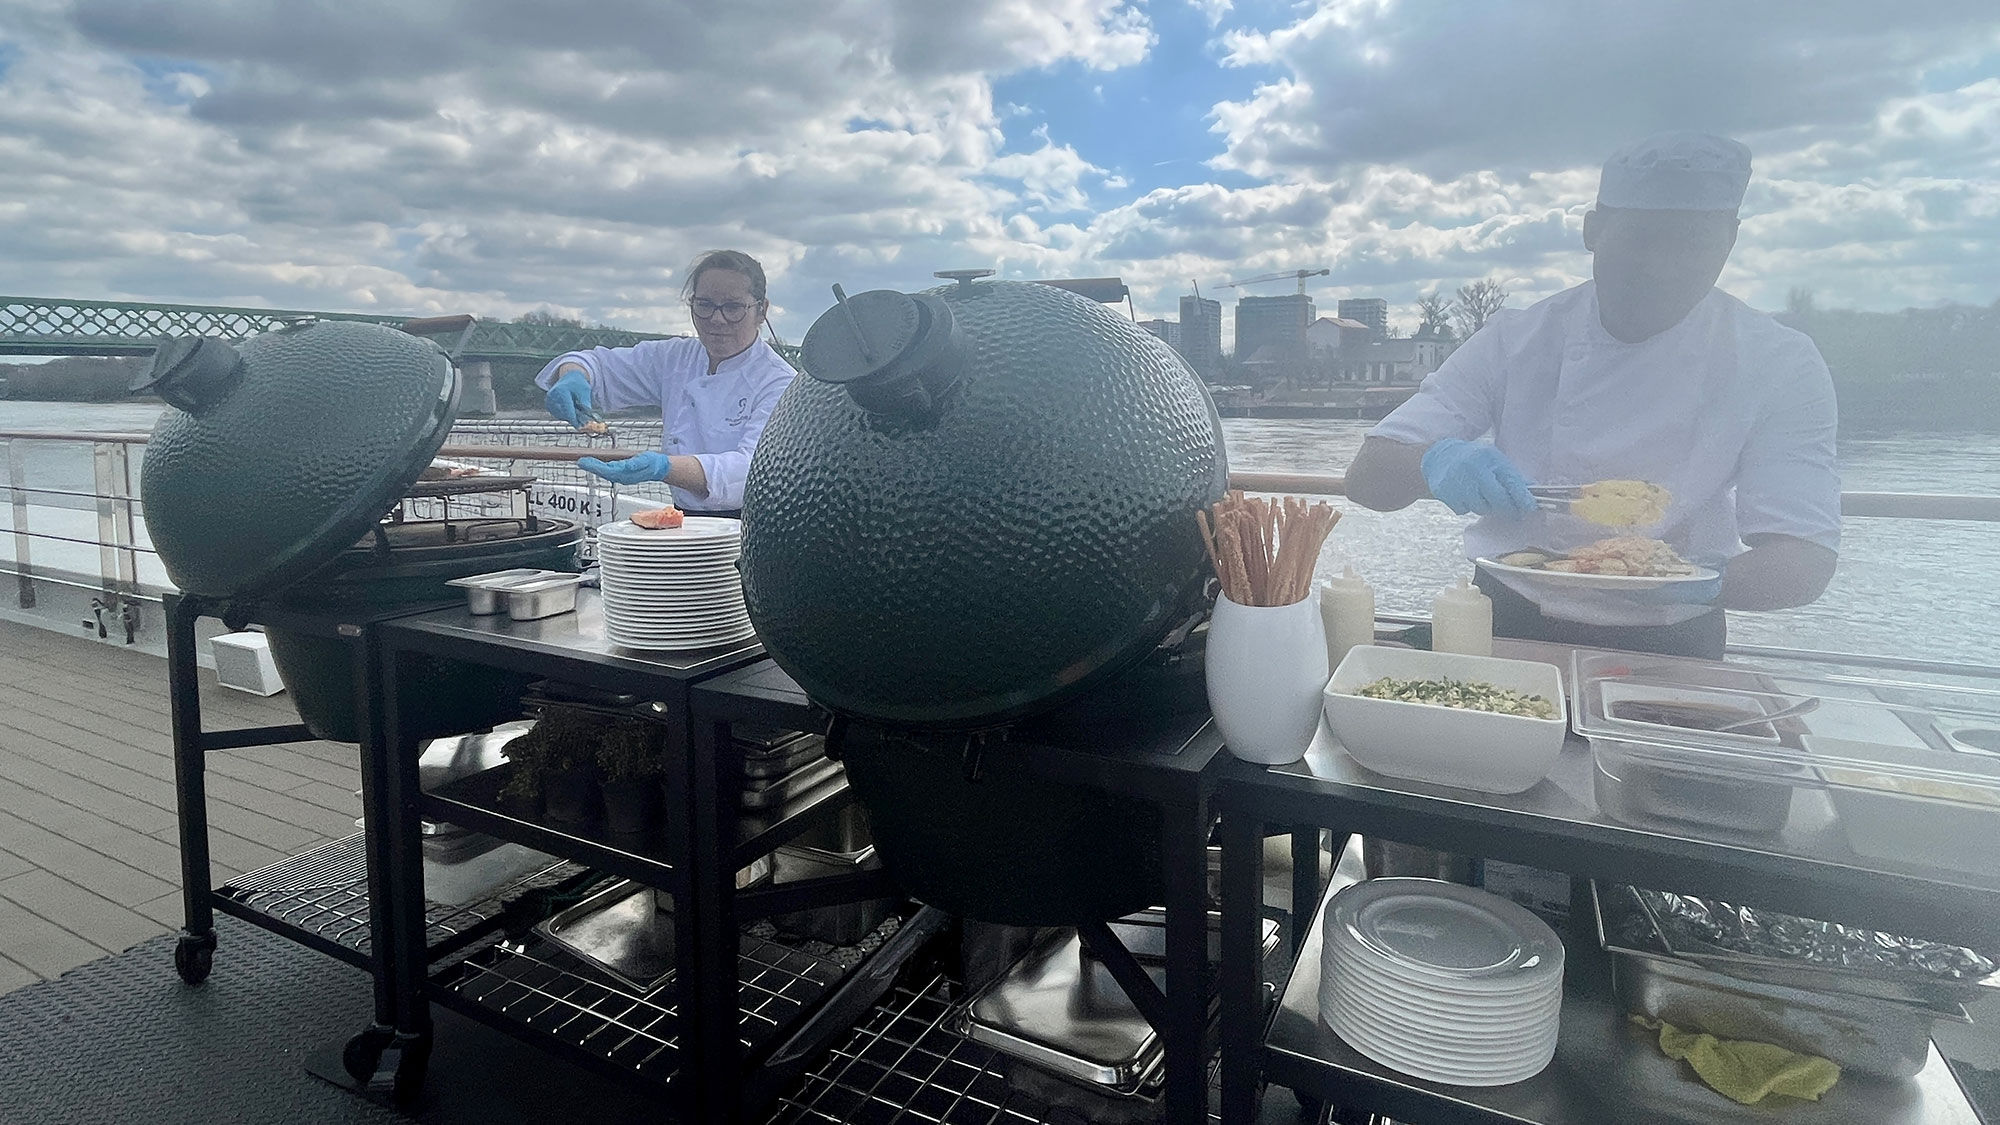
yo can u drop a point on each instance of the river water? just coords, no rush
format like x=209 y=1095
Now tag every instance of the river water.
x=1904 y=587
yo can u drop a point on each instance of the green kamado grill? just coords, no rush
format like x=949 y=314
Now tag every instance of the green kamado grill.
x=980 y=507
x=271 y=480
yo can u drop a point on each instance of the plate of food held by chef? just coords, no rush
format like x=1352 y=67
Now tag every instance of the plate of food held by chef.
x=1642 y=451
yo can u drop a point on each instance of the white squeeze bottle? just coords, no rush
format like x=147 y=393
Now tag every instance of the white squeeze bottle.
x=1462 y=620
x=1347 y=607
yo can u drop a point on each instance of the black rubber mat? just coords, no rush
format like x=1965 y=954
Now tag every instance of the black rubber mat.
x=122 y=1041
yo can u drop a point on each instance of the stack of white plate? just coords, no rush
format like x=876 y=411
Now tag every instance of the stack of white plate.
x=1441 y=982
x=674 y=587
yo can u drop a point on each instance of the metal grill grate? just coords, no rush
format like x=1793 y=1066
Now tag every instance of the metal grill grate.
x=529 y=433
x=325 y=892
x=902 y=1066
x=538 y=985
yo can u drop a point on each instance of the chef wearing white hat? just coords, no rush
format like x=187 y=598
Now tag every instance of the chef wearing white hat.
x=1645 y=372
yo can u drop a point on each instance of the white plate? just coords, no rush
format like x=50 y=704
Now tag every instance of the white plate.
x=1425 y=1061
x=1595 y=581
x=1443 y=1019
x=692 y=529
x=1447 y=936
x=1449 y=1010
x=1418 y=1065
x=669 y=549
x=1503 y=1056
x=718 y=593
x=636 y=624
x=693 y=641
x=670 y=566
x=673 y=623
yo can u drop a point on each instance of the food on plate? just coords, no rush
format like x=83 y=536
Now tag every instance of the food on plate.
x=657 y=518
x=446 y=470
x=595 y=428
x=1469 y=694
x=1621 y=503
x=1626 y=555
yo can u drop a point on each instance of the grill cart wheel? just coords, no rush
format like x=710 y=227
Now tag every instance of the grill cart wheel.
x=194 y=957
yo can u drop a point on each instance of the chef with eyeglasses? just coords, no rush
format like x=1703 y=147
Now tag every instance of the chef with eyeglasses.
x=1646 y=372
x=714 y=390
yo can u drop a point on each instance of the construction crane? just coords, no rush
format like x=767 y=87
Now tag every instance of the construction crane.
x=1300 y=275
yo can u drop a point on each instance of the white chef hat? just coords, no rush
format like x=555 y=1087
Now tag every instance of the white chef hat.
x=1677 y=171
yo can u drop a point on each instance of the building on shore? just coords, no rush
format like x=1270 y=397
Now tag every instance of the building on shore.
x=1371 y=311
x=1201 y=334
x=1344 y=353
x=1168 y=330
x=1276 y=324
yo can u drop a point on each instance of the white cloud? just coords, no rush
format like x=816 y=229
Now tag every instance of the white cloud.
x=503 y=156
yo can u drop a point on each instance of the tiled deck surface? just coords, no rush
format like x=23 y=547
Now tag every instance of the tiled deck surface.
x=89 y=862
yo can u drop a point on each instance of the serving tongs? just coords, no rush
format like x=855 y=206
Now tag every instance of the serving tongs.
x=1912 y=988
x=1555 y=497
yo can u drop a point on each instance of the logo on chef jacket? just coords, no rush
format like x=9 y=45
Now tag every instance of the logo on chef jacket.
x=741 y=414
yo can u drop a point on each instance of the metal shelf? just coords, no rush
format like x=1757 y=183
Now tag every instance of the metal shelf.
x=320 y=898
x=1605 y=1069
x=474 y=802
x=536 y=989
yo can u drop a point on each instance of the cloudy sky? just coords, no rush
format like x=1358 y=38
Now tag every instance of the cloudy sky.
x=439 y=156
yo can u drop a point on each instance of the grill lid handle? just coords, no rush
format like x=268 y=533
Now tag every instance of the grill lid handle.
x=896 y=354
x=192 y=372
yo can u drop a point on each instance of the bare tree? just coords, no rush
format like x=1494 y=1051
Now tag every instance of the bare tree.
x=1436 y=310
x=1476 y=305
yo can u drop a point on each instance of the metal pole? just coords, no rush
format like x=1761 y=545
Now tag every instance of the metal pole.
x=17 y=480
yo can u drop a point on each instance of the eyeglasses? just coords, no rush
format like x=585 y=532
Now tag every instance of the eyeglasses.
x=732 y=312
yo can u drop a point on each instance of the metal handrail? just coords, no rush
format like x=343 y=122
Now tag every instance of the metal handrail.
x=1866 y=505
x=118 y=552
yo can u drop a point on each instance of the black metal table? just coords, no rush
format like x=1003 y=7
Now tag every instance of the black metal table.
x=341 y=930
x=1806 y=868
x=1166 y=758
x=690 y=1043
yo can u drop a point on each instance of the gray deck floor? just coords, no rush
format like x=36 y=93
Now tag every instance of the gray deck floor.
x=89 y=862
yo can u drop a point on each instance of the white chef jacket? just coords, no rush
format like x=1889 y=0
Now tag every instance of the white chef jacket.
x=715 y=418
x=1730 y=411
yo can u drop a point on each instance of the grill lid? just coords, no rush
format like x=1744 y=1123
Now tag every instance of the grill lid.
x=1010 y=525
x=281 y=452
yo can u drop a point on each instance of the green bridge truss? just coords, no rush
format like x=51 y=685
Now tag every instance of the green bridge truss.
x=59 y=326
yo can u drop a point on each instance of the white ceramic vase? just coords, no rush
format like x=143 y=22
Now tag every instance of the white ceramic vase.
x=1266 y=670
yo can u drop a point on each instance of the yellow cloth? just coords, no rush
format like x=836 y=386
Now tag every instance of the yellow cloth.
x=1746 y=1071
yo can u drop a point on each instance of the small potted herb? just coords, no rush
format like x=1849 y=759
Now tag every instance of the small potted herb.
x=570 y=777
x=628 y=757
x=522 y=793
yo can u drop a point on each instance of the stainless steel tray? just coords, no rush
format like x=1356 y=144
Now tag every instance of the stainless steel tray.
x=623 y=930
x=763 y=793
x=1889 y=1038
x=1060 y=1009
x=1919 y=989
x=763 y=764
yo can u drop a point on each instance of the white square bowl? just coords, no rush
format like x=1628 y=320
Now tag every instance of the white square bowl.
x=1456 y=746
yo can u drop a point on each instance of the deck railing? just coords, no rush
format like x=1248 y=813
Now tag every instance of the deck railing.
x=549 y=450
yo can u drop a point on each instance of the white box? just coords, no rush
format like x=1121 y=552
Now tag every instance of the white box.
x=243 y=662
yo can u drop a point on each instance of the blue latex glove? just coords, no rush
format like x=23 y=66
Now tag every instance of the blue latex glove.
x=632 y=470
x=1474 y=477
x=569 y=399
